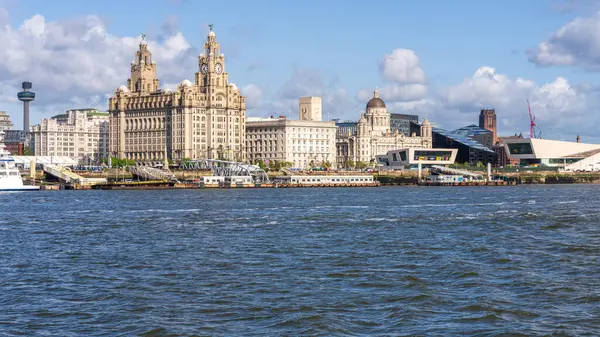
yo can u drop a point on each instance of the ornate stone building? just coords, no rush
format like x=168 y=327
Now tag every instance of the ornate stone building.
x=373 y=136
x=80 y=133
x=204 y=119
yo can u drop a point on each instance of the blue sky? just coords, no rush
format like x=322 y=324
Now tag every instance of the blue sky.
x=343 y=41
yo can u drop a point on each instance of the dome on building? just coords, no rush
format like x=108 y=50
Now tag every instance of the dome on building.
x=375 y=102
x=233 y=85
x=426 y=122
x=123 y=88
x=211 y=33
x=168 y=90
x=186 y=83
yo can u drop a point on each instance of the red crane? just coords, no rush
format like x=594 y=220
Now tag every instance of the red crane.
x=531 y=122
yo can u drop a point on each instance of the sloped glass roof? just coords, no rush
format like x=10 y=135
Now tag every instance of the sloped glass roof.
x=463 y=139
x=471 y=130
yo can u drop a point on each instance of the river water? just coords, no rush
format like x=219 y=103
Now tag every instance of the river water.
x=325 y=261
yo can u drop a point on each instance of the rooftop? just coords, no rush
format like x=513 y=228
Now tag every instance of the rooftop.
x=460 y=137
x=471 y=130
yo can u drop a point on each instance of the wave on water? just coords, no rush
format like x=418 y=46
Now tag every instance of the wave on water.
x=393 y=261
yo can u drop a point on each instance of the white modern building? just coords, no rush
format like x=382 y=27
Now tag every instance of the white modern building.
x=410 y=158
x=81 y=134
x=305 y=143
x=553 y=153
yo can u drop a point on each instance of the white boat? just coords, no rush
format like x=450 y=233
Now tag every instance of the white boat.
x=10 y=177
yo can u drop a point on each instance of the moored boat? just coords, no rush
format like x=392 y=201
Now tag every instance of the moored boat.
x=10 y=177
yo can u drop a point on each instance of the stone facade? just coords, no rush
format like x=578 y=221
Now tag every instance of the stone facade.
x=204 y=119
x=81 y=134
x=310 y=109
x=306 y=144
x=374 y=137
x=5 y=122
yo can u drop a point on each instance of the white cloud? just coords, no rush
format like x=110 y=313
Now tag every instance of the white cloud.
x=396 y=93
x=575 y=44
x=253 y=96
x=310 y=82
x=402 y=66
x=405 y=88
x=77 y=61
x=559 y=106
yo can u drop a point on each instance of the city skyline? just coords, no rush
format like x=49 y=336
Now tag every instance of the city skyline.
x=444 y=65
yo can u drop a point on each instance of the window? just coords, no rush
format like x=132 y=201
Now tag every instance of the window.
x=520 y=148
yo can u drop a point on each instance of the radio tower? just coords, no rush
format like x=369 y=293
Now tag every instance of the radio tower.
x=26 y=96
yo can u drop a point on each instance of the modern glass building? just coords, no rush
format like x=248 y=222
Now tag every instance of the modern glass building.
x=469 y=150
x=483 y=136
x=345 y=128
x=401 y=122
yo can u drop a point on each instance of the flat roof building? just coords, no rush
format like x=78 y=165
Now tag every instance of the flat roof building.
x=552 y=153
x=410 y=158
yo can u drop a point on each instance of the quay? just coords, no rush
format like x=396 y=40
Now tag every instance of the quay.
x=156 y=185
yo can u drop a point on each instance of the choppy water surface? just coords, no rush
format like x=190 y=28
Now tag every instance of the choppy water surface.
x=381 y=261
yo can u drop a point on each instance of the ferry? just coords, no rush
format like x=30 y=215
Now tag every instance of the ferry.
x=10 y=177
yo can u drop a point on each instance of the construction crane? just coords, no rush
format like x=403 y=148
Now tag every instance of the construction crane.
x=531 y=122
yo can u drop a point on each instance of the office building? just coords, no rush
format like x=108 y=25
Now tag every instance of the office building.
x=81 y=134
x=401 y=122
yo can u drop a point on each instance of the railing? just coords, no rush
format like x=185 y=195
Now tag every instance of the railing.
x=65 y=174
x=151 y=173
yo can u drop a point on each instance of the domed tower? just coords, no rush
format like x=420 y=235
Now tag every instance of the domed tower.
x=143 y=71
x=377 y=116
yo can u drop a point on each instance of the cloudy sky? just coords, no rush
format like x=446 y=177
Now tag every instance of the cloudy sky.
x=443 y=60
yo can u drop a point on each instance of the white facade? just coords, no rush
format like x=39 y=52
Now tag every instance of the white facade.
x=412 y=157
x=304 y=143
x=81 y=134
x=5 y=122
x=546 y=152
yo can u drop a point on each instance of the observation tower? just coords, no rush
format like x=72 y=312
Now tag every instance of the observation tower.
x=26 y=96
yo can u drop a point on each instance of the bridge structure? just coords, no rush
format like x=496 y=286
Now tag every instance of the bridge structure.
x=65 y=174
x=223 y=168
x=152 y=173
x=447 y=170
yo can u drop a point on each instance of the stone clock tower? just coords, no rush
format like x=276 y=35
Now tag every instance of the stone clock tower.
x=201 y=120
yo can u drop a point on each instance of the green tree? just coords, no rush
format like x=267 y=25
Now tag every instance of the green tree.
x=261 y=164
x=119 y=163
x=350 y=163
x=27 y=151
x=326 y=164
x=362 y=165
x=479 y=164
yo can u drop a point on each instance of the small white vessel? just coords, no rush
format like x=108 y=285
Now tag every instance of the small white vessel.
x=10 y=177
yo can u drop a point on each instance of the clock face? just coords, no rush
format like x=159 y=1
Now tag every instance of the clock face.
x=204 y=68
x=218 y=68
